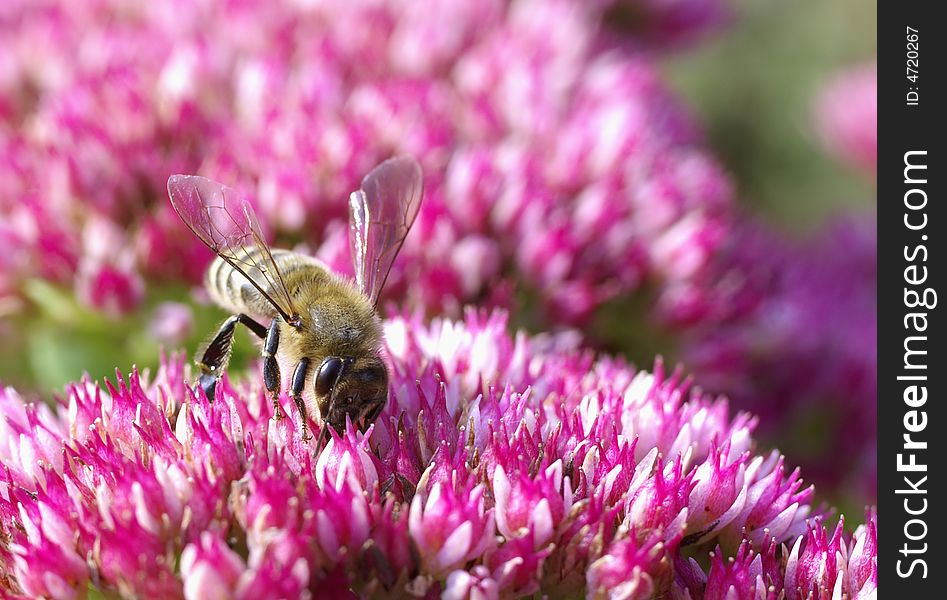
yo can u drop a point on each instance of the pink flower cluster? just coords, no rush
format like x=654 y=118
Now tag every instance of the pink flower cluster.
x=554 y=158
x=786 y=328
x=502 y=466
x=847 y=116
x=819 y=566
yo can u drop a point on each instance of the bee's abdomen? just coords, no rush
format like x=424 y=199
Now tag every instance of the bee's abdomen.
x=230 y=289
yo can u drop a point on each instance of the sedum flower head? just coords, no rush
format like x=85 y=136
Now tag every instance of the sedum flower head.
x=503 y=465
x=820 y=565
x=553 y=158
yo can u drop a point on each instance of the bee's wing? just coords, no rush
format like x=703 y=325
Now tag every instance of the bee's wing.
x=227 y=224
x=380 y=215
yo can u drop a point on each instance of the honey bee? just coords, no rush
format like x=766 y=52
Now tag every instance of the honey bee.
x=305 y=314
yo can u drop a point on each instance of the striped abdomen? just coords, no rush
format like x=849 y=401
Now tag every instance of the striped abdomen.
x=234 y=292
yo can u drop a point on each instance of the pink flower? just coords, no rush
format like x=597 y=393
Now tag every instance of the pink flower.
x=820 y=566
x=502 y=465
x=531 y=505
x=774 y=506
x=295 y=103
x=659 y=507
x=847 y=116
x=171 y=323
x=346 y=459
x=111 y=289
x=450 y=527
x=517 y=566
x=475 y=584
x=209 y=569
x=747 y=575
x=629 y=570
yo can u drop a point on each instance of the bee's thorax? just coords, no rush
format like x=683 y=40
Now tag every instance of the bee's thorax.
x=336 y=320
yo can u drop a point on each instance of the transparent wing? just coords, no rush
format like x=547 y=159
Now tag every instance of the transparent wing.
x=227 y=224
x=380 y=215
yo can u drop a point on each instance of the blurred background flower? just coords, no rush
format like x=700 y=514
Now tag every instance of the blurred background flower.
x=847 y=111
x=558 y=164
x=783 y=320
x=561 y=171
x=787 y=330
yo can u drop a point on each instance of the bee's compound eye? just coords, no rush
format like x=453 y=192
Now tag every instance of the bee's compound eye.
x=328 y=374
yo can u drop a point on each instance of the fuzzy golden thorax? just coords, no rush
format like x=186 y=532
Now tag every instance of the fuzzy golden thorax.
x=335 y=320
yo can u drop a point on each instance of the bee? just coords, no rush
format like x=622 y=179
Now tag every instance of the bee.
x=304 y=314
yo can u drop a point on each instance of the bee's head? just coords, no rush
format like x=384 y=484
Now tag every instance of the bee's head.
x=351 y=387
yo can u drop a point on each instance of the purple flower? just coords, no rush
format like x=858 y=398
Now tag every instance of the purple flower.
x=786 y=328
x=502 y=466
x=847 y=116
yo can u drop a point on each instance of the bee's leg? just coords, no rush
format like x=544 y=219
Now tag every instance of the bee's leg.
x=372 y=415
x=299 y=381
x=271 y=373
x=217 y=353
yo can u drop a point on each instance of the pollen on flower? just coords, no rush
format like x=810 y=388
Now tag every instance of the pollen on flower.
x=501 y=466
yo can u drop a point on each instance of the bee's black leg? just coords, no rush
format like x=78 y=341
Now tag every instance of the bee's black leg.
x=216 y=355
x=372 y=416
x=271 y=372
x=299 y=381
